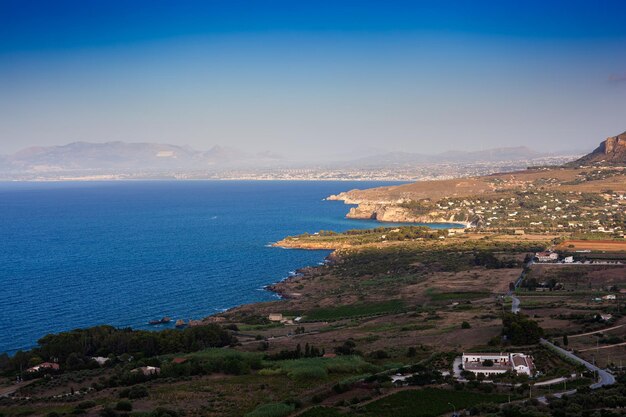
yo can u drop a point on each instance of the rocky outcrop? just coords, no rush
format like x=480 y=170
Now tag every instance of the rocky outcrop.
x=398 y=214
x=611 y=151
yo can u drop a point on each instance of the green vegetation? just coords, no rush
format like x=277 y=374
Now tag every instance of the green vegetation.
x=364 y=236
x=322 y=412
x=520 y=330
x=213 y=360
x=272 y=410
x=73 y=349
x=428 y=402
x=355 y=310
x=456 y=295
x=319 y=368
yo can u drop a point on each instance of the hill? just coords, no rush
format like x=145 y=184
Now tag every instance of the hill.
x=612 y=151
x=125 y=157
x=520 y=153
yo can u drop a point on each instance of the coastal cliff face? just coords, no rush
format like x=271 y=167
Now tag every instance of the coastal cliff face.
x=611 y=151
x=391 y=211
x=397 y=214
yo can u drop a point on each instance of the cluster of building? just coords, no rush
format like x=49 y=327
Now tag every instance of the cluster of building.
x=279 y=318
x=45 y=366
x=498 y=363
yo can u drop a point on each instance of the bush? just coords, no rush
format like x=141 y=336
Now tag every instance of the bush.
x=86 y=405
x=465 y=325
x=138 y=391
x=379 y=354
x=124 y=406
x=163 y=412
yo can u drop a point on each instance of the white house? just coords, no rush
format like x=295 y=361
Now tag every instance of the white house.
x=497 y=363
x=547 y=256
x=522 y=364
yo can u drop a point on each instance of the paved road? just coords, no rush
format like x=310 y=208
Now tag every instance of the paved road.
x=6 y=391
x=515 y=302
x=604 y=377
x=597 y=331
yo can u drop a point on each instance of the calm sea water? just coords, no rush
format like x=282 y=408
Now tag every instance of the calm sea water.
x=81 y=254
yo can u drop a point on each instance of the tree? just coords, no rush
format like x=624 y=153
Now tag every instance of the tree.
x=520 y=330
x=565 y=341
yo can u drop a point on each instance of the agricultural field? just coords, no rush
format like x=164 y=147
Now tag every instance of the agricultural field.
x=593 y=245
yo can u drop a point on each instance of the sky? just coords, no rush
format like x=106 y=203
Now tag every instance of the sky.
x=313 y=79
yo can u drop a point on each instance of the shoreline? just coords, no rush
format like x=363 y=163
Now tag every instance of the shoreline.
x=273 y=288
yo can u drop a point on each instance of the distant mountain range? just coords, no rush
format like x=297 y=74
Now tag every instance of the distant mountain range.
x=612 y=151
x=124 y=157
x=519 y=153
x=147 y=159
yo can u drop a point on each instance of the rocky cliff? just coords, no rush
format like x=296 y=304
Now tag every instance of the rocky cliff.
x=392 y=211
x=611 y=151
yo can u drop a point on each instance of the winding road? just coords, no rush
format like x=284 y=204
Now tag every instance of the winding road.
x=604 y=377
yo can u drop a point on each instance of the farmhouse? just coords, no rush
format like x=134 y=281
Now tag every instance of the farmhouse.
x=547 y=256
x=147 y=370
x=497 y=363
x=46 y=365
x=275 y=317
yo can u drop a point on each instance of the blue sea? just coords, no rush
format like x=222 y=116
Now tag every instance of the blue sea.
x=78 y=254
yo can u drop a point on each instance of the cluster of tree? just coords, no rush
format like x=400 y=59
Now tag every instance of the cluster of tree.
x=531 y=283
x=422 y=375
x=308 y=352
x=348 y=348
x=74 y=349
x=490 y=261
x=520 y=330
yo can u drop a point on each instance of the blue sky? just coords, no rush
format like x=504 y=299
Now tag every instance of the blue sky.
x=313 y=79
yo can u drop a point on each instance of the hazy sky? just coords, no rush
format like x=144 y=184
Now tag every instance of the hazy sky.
x=310 y=78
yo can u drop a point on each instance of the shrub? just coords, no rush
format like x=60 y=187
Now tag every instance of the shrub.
x=163 y=412
x=465 y=325
x=138 y=391
x=86 y=405
x=124 y=406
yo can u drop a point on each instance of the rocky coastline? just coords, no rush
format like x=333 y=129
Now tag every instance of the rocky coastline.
x=391 y=211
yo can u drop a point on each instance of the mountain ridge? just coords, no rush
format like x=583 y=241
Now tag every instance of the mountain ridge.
x=611 y=151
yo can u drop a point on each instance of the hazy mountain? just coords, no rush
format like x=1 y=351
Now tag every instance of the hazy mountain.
x=125 y=157
x=611 y=151
x=520 y=153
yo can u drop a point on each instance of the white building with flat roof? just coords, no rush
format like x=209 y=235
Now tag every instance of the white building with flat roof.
x=497 y=363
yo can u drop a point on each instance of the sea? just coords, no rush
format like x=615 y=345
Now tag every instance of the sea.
x=79 y=254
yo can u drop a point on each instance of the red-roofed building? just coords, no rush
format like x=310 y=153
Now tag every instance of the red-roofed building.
x=43 y=366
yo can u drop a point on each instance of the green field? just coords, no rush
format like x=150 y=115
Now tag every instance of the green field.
x=429 y=402
x=322 y=412
x=319 y=368
x=355 y=310
x=456 y=295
